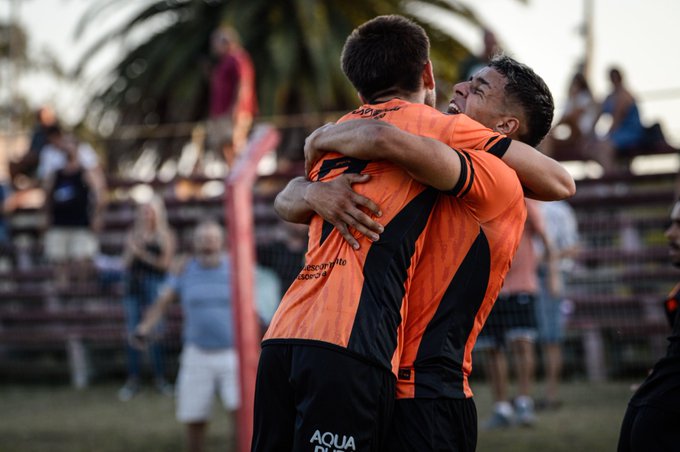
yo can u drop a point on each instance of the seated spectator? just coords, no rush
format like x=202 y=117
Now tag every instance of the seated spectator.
x=626 y=131
x=74 y=205
x=577 y=123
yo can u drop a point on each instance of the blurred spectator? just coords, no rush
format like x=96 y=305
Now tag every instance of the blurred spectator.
x=53 y=157
x=233 y=101
x=626 y=131
x=149 y=250
x=652 y=416
x=28 y=164
x=561 y=228
x=512 y=323
x=286 y=254
x=578 y=118
x=74 y=207
x=209 y=362
x=474 y=63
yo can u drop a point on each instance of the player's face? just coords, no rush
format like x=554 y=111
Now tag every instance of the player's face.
x=481 y=98
x=673 y=236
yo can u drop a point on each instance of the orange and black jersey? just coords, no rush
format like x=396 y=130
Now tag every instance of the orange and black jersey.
x=466 y=253
x=354 y=300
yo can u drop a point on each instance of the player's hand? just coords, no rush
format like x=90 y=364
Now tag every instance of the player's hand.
x=312 y=152
x=336 y=202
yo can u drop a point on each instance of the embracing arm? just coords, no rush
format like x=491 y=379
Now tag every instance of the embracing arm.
x=335 y=201
x=428 y=161
x=432 y=162
x=542 y=177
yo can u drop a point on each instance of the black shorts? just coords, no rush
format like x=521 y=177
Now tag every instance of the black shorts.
x=442 y=425
x=316 y=399
x=512 y=317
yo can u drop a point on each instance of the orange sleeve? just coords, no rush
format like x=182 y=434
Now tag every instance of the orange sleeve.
x=469 y=134
x=491 y=186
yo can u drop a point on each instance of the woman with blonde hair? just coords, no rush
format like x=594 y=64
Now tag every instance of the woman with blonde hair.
x=149 y=249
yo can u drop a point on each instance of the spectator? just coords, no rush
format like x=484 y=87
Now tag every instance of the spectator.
x=209 y=361
x=28 y=164
x=233 y=101
x=626 y=131
x=562 y=230
x=149 y=250
x=474 y=63
x=578 y=117
x=53 y=157
x=286 y=254
x=651 y=420
x=512 y=322
x=74 y=206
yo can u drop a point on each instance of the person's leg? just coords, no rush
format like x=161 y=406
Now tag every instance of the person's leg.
x=433 y=425
x=195 y=393
x=553 y=370
x=342 y=402
x=498 y=374
x=196 y=436
x=132 y=317
x=525 y=365
x=275 y=412
x=627 y=429
x=225 y=365
x=150 y=289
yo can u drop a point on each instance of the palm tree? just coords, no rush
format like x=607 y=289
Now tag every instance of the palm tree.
x=295 y=46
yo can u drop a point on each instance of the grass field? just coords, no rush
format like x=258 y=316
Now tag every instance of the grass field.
x=60 y=419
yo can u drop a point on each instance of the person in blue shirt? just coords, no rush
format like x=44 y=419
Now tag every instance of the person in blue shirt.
x=209 y=362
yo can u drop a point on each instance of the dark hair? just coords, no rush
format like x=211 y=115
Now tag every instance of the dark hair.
x=526 y=89
x=53 y=131
x=580 y=80
x=387 y=52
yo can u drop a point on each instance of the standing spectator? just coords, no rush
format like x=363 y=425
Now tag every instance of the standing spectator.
x=149 y=250
x=209 y=361
x=233 y=101
x=562 y=230
x=651 y=420
x=28 y=164
x=512 y=322
x=579 y=116
x=74 y=206
x=626 y=131
x=474 y=63
x=53 y=157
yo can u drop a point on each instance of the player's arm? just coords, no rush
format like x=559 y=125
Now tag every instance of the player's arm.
x=335 y=201
x=430 y=161
x=427 y=160
x=542 y=177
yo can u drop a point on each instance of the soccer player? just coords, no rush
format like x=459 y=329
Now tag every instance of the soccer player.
x=326 y=374
x=455 y=281
x=651 y=420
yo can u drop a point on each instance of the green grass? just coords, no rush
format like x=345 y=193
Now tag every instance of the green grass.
x=61 y=419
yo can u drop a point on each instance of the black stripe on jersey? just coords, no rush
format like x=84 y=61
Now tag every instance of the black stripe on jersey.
x=374 y=333
x=472 y=175
x=500 y=148
x=351 y=165
x=463 y=175
x=439 y=361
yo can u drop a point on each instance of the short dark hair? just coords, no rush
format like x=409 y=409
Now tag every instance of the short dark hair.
x=525 y=88
x=385 y=53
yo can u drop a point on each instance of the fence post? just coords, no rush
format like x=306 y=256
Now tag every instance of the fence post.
x=239 y=218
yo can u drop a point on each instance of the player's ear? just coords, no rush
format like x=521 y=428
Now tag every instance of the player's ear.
x=508 y=125
x=428 y=75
